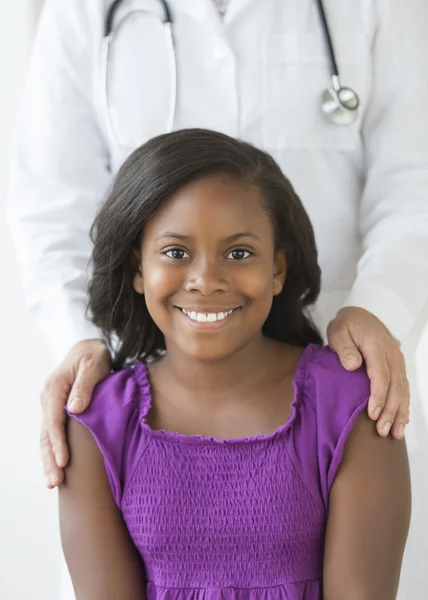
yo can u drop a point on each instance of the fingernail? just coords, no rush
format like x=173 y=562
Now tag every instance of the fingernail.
x=351 y=363
x=386 y=427
x=74 y=405
x=58 y=459
x=400 y=431
x=351 y=360
x=376 y=413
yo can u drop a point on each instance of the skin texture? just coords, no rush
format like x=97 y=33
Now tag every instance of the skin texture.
x=225 y=382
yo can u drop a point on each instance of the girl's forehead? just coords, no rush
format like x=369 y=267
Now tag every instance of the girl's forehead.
x=213 y=204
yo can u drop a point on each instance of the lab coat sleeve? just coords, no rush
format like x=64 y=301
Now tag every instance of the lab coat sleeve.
x=59 y=175
x=392 y=279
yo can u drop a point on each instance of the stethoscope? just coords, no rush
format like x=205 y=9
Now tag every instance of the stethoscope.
x=339 y=104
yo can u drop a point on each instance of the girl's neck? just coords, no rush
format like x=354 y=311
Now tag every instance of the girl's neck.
x=246 y=369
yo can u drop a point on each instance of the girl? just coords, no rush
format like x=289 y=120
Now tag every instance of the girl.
x=232 y=457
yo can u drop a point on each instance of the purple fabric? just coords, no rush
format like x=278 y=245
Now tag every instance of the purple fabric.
x=238 y=518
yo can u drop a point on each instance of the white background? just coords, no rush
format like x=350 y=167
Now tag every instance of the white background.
x=29 y=540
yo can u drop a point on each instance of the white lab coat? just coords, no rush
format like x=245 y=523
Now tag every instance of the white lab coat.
x=257 y=75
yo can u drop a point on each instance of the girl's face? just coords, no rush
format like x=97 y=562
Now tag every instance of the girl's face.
x=208 y=267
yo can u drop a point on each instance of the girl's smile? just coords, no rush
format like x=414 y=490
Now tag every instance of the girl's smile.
x=208 y=319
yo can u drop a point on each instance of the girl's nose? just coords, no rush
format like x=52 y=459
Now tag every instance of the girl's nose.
x=207 y=277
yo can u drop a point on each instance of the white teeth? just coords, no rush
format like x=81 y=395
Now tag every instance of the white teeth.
x=207 y=317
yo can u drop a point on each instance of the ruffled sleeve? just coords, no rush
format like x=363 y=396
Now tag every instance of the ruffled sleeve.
x=330 y=399
x=113 y=419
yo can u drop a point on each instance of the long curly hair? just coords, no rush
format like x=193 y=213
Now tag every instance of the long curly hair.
x=151 y=175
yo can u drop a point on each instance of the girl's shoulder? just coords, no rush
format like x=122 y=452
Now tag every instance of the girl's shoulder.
x=125 y=390
x=325 y=380
x=328 y=402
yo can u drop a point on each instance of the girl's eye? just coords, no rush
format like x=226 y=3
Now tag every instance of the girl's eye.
x=239 y=254
x=176 y=253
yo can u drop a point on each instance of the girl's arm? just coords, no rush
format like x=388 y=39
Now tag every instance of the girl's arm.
x=102 y=559
x=369 y=515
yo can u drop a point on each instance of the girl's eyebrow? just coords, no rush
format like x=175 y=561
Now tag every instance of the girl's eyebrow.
x=243 y=234
x=231 y=238
x=171 y=234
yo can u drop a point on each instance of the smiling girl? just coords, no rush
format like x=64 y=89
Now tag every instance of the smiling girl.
x=229 y=455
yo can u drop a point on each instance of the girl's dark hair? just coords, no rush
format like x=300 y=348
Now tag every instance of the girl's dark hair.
x=151 y=175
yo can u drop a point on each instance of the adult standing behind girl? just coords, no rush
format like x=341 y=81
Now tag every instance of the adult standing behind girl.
x=234 y=457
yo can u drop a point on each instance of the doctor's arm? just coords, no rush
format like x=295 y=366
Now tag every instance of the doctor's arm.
x=368 y=519
x=391 y=285
x=101 y=557
x=60 y=173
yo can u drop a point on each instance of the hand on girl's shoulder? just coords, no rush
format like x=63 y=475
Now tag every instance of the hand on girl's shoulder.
x=328 y=362
x=118 y=391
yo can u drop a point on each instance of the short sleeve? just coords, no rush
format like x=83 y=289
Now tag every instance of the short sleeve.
x=330 y=400
x=113 y=419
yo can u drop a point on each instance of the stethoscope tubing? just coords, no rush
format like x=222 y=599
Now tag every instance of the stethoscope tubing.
x=334 y=71
x=115 y=5
x=110 y=17
x=109 y=34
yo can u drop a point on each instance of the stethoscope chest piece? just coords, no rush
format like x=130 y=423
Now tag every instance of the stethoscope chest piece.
x=340 y=105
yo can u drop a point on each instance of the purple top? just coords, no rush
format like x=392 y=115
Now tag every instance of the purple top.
x=236 y=518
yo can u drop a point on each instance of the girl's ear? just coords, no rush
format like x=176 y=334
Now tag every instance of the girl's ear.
x=137 y=270
x=280 y=272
